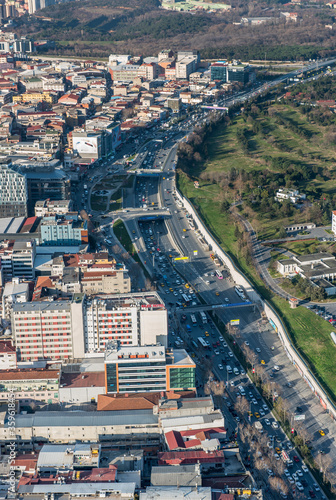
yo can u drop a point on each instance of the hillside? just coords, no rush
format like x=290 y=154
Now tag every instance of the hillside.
x=95 y=28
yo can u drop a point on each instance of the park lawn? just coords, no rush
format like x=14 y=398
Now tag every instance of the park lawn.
x=98 y=202
x=116 y=200
x=311 y=336
x=121 y=233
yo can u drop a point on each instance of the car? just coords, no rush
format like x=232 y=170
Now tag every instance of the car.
x=262 y=362
x=290 y=447
x=299 y=486
x=247 y=343
x=275 y=425
x=265 y=408
x=291 y=480
x=304 y=468
x=256 y=414
x=321 y=432
x=220 y=366
x=299 y=473
x=226 y=299
x=296 y=459
x=217 y=294
x=304 y=483
x=316 y=487
x=267 y=422
x=286 y=472
x=258 y=349
x=311 y=494
x=230 y=354
x=262 y=413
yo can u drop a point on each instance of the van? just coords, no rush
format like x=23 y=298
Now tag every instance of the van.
x=241 y=390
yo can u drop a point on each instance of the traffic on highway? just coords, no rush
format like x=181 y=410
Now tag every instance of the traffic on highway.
x=201 y=297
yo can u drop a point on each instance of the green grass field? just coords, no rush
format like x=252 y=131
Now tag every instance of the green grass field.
x=311 y=336
x=116 y=200
x=310 y=333
x=121 y=233
x=276 y=139
x=98 y=203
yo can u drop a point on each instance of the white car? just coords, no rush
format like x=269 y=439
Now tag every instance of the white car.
x=265 y=408
x=304 y=468
x=220 y=366
x=230 y=354
x=299 y=473
x=286 y=472
x=275 y=425
x=267 y=422
x=258 y=349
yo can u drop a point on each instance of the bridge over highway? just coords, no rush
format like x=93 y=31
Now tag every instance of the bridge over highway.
x=212 y=307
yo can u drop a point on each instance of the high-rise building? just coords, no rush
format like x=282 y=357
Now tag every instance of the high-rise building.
x=132 y=319
x=49 y=330
x=13 y=191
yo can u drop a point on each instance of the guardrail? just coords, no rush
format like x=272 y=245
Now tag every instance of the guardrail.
x=273 y=317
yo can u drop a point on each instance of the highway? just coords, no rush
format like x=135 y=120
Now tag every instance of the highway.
x=161 y=231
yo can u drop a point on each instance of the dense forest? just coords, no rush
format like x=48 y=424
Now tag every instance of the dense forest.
x=95 y=28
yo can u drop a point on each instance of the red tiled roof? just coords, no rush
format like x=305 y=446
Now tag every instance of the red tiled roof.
x=174 y=440
x=29 y=374
x=6 y=346
x=87 y=379
x=190 y=457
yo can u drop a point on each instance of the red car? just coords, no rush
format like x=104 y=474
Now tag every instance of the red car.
x=296 y=459
x=312 y=494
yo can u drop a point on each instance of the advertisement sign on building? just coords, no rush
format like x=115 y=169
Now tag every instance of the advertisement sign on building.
x=86 y=145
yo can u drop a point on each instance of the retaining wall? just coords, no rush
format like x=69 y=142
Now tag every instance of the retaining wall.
x=272 y=316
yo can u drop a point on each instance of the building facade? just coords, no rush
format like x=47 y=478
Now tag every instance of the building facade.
x=49 y=330
x=13 y=192
x=147 y=369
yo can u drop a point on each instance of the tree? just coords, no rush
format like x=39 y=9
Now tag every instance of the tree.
x=242 y=406
x=324 y=463
x=282 y=233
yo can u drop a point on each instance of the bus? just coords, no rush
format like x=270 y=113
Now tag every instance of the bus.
x=186 y=298
x=240 y=292
x=219 y=274
x=203 y=317
x=204 y=343
x=193 y=319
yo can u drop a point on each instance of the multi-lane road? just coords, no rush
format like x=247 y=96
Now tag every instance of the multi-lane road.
x=167 y=236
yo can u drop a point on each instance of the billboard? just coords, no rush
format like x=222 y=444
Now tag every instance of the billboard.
x=86 y=145
x=234 y=322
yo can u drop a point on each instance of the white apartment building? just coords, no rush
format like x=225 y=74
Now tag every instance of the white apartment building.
x=49 y=330
x=13 y=191
x=44 y=208
x=292 y=195
x=132 y=319
x=14 y=292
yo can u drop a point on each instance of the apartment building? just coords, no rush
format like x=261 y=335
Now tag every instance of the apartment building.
x=7 y=355
x=13 y=191
x=14 y=292
x=132 y=319
x=116 y=281
x=30 y=385
x=23 y=258
x=47 y=207
x=49 y=330
x=147 y=368
x=64 y=230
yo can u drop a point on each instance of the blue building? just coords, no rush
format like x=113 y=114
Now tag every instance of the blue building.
x=64 y=231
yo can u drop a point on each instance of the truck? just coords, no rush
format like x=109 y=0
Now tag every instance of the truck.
x=259 y=427
x=286 y=458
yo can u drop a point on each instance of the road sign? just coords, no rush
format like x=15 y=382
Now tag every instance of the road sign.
x=181 y=258
x=299 y=417
x=234 y=322
x=195 y=252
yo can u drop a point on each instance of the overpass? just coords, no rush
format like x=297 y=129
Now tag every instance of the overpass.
x=212 y=307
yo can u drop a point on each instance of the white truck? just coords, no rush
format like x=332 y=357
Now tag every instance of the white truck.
x=259 y=427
